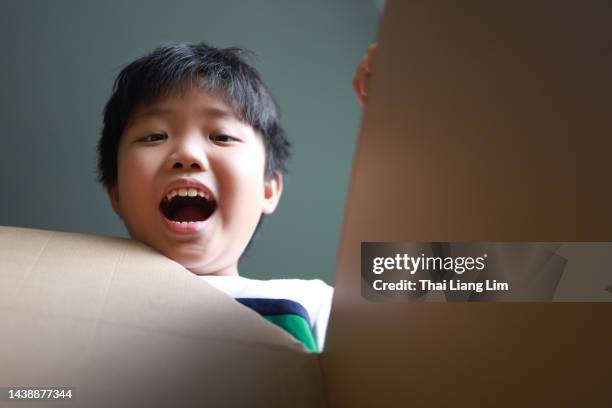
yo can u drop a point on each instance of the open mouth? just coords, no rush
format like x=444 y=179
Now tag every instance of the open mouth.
x=188 y=205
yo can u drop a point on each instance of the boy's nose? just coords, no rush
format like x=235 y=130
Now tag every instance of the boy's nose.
x=193 y=165
x=189 y=158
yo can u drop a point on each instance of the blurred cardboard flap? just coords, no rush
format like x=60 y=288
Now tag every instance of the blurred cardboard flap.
x=486 y=122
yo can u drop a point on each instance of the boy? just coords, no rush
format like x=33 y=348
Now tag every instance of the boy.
x=192 y=156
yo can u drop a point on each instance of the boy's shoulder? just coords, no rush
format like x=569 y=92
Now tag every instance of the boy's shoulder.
x=313 y=294
x=308 y=292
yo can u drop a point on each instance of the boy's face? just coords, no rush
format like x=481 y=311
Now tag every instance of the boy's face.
x=193 y=137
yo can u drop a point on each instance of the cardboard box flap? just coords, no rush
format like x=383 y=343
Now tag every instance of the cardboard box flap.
x=485 y=121
x=125 y=325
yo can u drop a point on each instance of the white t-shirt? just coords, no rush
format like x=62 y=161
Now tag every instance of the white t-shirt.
x=314 y=295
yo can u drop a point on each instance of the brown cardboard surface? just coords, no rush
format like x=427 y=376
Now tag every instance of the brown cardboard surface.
x=486 y=121
x=125 y=326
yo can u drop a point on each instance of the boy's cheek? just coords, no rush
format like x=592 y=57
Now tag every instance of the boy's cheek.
x=245 y=194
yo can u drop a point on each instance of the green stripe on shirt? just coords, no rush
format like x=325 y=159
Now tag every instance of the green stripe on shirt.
x=297 y=326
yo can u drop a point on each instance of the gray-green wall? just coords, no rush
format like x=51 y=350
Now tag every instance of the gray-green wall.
x=59 y=59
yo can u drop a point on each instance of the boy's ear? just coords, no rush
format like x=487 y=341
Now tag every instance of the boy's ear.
x=273 y=188
x=113 y=196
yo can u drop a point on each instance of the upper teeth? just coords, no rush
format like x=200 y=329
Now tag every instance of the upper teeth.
x=191 y=192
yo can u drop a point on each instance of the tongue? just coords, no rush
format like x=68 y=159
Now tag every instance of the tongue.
x=190 y=213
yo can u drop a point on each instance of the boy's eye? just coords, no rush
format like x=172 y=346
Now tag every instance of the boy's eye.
x=223 y=138
x=154 y=137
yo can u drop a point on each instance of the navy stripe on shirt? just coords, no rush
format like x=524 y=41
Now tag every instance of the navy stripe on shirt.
x=275 y=307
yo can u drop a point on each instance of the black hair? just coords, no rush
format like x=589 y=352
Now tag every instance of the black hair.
x=176 y=67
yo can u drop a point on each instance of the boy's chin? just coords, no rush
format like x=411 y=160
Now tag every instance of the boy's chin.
x=189 y=259
x=200 y=263
x=201 y=271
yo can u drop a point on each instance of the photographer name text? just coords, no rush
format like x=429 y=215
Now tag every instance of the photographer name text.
x=444 y=285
